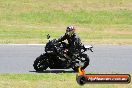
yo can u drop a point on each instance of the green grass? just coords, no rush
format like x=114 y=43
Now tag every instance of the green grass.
x=49 y=80
x=97 y=22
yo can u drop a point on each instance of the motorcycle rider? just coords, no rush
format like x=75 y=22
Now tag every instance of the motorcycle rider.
x=74 y=42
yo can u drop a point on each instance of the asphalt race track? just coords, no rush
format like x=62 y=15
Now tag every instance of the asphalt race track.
x=104 y=59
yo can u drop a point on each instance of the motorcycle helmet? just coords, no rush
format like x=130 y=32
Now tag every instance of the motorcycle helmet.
x=70 y=30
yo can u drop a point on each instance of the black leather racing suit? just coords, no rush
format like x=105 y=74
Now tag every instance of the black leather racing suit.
x=74 y=42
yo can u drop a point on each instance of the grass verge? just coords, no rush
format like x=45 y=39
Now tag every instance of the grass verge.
x=49 y=80
x=97 y=21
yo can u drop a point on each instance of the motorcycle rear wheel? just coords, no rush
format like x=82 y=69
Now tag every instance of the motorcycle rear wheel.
x=40 y=64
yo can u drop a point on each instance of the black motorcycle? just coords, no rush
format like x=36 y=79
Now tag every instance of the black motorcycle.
x=57 y=56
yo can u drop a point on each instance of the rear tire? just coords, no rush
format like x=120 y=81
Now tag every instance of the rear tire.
x=40 y=64
x=75 y=68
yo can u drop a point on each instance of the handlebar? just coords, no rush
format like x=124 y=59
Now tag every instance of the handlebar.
x=88 y=48
x=91 y=49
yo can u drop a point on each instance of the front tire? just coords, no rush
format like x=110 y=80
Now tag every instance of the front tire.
x=86 y=63
x=40 y=64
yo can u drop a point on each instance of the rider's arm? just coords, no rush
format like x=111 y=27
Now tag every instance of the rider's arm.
x=78 y=43
x=62 y=38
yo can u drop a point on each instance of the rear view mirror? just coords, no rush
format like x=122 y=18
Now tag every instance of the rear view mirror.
x=48 y=36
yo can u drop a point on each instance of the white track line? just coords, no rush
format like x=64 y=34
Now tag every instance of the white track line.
x=22 y=44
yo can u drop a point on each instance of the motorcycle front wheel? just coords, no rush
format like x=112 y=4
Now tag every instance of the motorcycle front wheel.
x=40 y=64
x=85 y=60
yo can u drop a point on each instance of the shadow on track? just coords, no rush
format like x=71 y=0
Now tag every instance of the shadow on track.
x=53 y=71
